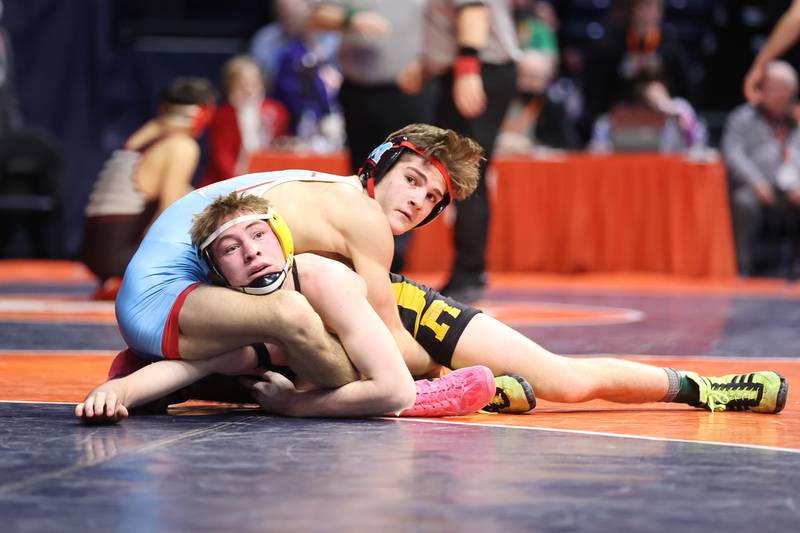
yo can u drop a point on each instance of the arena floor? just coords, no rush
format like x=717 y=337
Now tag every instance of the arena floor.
x=588 y=467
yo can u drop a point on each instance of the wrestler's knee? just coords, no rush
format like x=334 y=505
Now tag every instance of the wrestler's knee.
x=574 y=384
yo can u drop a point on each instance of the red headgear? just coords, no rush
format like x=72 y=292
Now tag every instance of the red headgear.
x=382 y=158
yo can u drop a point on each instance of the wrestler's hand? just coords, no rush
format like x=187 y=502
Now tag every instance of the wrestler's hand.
x=273 y=391
x=101 y=407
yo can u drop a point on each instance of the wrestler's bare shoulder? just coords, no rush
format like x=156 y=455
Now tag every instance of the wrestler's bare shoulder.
x=320 y=195
x=319 y=274
x=348 y=185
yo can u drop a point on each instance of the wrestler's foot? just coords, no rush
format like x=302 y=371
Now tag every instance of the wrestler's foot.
x=512 y=395
x=108 y=290
x=460 y=392
x=760 y=392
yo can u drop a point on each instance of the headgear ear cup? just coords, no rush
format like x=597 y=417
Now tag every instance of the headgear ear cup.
x=379 y=161
x=284 y=234
x=383 y=157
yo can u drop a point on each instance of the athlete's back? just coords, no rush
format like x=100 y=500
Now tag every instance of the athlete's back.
x=320 y=214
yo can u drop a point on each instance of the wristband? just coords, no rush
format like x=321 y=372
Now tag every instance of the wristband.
x=467 y=51
x=466 y=65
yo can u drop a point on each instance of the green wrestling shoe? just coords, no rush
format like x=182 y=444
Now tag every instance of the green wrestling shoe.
x=760 y=392
x=513 y=394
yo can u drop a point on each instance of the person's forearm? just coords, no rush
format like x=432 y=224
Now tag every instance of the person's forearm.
x=473 y=27
x=157 y=380
x=743 y=170
x=783 y=36
x=734 y=151
x=359 y=398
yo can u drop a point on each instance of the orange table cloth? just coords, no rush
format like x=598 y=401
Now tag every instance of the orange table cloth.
x=334 y=163
x=583 y=213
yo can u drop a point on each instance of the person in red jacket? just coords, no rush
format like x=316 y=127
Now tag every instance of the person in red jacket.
x=246 y=123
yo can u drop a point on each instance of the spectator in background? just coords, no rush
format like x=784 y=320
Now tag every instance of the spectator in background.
x=299 y=62
x=536 y=25
x=246 y=123
x=153 y=169
x=761 y=147
x=312 y=105
x=268 y=44
x=470 y=49
x=381 y=43
x=535 y=118
x=638 y=62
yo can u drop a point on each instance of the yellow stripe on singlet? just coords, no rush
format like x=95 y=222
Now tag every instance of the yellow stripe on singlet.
x=410 y=297
x=431 y=318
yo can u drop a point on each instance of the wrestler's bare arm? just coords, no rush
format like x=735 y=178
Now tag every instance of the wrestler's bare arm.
x=386 y=386
x=110 y=401
x=370 y=243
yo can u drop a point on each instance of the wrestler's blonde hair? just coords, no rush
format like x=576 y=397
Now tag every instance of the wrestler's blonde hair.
x=460 y=155
x=209 y=219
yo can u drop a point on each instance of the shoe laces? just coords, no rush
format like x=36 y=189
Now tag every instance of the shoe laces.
x=499 y=401
x=736 y=396
x=437 y=393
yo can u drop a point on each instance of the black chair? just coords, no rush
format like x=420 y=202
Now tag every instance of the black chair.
x=30 y=206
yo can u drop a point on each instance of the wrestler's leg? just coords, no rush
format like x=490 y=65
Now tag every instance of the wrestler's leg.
x=215 y=320
x=487 y=341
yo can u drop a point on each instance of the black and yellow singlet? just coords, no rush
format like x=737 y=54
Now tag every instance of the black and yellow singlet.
x=433 y=319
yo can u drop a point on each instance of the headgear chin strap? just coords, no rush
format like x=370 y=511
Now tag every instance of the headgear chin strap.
x=266 y=283
x=383 y=158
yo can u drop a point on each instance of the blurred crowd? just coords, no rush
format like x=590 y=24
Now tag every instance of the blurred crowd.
x=333 y=75
x=318 y=57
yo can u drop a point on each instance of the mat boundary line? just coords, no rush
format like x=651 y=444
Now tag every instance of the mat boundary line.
x=595 y=433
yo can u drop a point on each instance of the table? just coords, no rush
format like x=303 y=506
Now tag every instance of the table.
x=583 y=213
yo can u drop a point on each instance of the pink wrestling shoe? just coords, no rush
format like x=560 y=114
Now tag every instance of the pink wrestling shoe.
x=461 y=392
x=108 y=290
